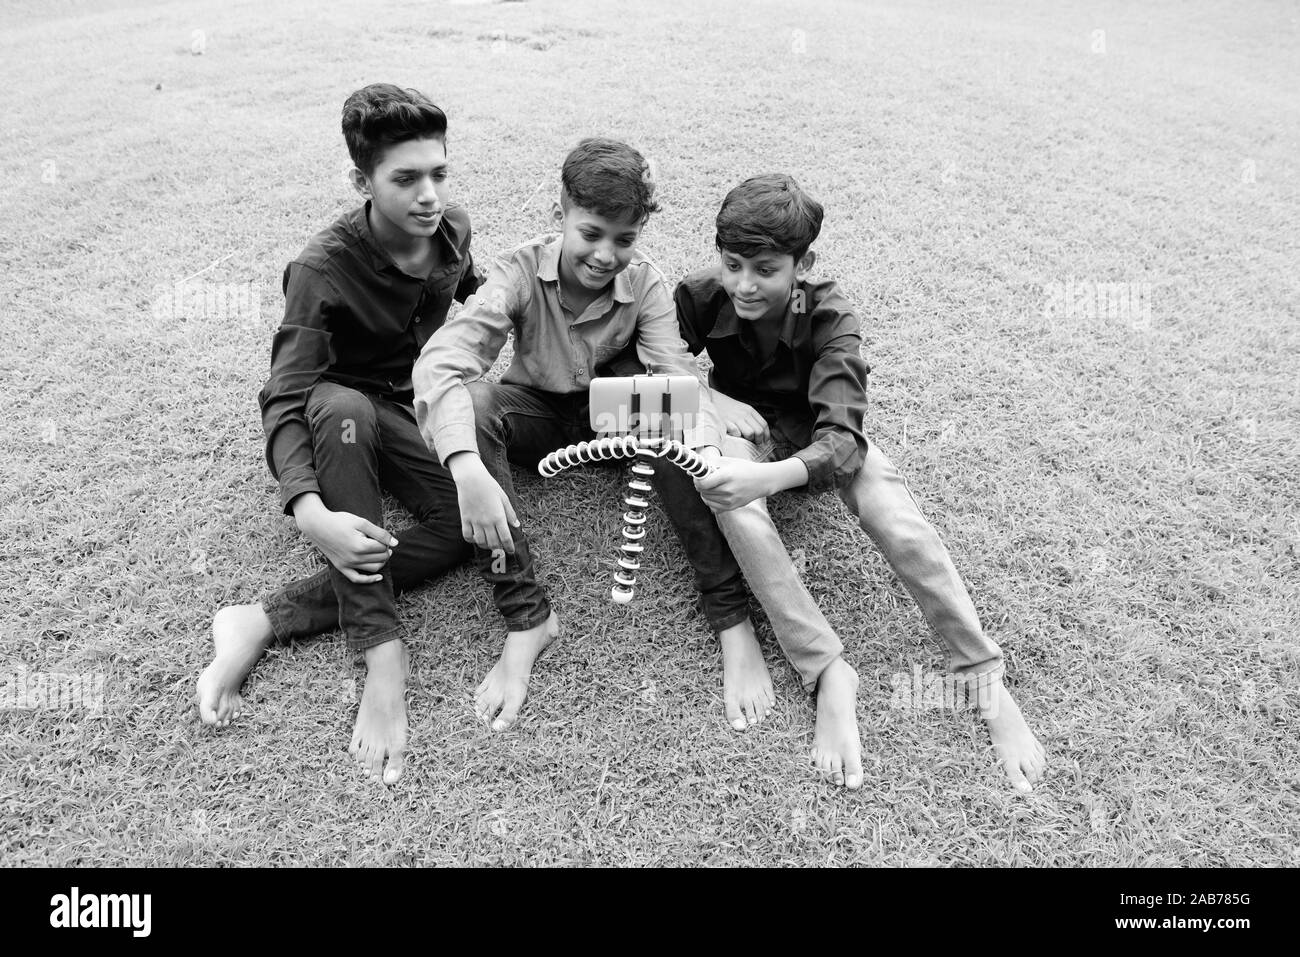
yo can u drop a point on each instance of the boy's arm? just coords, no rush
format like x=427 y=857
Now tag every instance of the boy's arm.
x=837 y=395
x=837 y=392
x=300 y=354
x=660 y=345
x=458 y=353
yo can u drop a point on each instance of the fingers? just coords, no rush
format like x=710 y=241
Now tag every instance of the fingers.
x=378 y=534
x=504 y=540
x=489 y=536
x=755 y=429
x=360 y=578
x=711 y=481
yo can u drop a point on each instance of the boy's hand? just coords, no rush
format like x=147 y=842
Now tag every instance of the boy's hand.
x=734 y=483
x=739 y=418
x=486 y=514
x=356 y=547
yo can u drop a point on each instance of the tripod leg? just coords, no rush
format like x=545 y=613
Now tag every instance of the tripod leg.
x=629 y=562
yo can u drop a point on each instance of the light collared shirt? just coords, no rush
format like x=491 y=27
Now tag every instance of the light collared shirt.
x=555 y=351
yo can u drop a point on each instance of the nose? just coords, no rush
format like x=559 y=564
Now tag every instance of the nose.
x=428 y=195
x=747 y=286
x=603 y=254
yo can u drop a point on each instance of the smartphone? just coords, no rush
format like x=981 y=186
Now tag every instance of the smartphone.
x=658 y=405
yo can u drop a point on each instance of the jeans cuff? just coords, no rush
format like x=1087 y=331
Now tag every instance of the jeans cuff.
x=730 y=620
x=371 y=641
x=279 y=610
x=981 y=683
x=525 y=622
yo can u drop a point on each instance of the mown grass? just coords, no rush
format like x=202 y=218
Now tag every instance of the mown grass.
x=1120 y=496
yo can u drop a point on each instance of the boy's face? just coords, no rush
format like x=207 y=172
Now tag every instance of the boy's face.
x=594 y=249
x=408 y=188
x=760 y=286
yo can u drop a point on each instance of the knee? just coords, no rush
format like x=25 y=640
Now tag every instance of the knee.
x=341 y=412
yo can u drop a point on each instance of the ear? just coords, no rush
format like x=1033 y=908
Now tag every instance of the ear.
x=360 y=182
x=557 y=214
x=804 y=265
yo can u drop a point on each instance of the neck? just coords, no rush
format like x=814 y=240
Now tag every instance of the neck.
x=395 y=242
x=574 y=291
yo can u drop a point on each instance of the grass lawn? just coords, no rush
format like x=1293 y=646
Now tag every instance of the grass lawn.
x=1119 y=491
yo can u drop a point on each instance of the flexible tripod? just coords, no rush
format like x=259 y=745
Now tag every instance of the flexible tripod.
x=642 y=439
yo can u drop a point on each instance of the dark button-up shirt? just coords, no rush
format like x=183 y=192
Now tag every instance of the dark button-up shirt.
x=351 y=316
x=811 y=386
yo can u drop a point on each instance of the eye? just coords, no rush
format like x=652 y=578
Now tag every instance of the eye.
x=765 y=272
x=439 y=177
x=625 y=243
x=732 y=267
x=403 y=181
x=590 y=236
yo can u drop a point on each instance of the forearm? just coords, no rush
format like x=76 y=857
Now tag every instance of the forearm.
x=307 y=508
x=459 y=352
x=786 y=474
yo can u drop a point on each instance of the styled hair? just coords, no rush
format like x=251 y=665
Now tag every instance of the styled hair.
x=381 y=115
x=609 y=178
x=768 y=213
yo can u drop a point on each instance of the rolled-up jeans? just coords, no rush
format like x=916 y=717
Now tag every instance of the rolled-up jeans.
x=878 y=497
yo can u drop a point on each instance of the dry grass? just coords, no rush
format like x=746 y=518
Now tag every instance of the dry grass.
x=1121 y=500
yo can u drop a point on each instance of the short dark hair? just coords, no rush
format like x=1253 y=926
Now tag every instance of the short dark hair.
x=768 y=212
x=381 y=115
x=609 y=178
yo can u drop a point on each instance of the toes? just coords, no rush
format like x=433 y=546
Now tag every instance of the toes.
x=1018 y=780
x=509 y=712
x=486 y=704
x=394 y=770
x=853 y=772
x=751 y=714
x=837 y=769
x=734 y=717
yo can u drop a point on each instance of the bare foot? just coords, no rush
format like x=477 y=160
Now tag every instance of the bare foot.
x=381 y=720
x=502 y=692
x=240 y=634
x=837 y=746
x=1022 y=757
x=747 y=695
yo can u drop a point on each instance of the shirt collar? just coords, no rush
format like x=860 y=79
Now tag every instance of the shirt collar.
x=729 y=324
x=548 y=269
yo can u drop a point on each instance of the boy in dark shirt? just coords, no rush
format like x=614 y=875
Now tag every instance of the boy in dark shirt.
x=789 y=385
x=360 y=302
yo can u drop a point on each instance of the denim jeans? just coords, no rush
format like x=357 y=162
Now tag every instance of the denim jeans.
x=362 y=445
x=724 y=599
x=879 y=499
x=520 y=425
